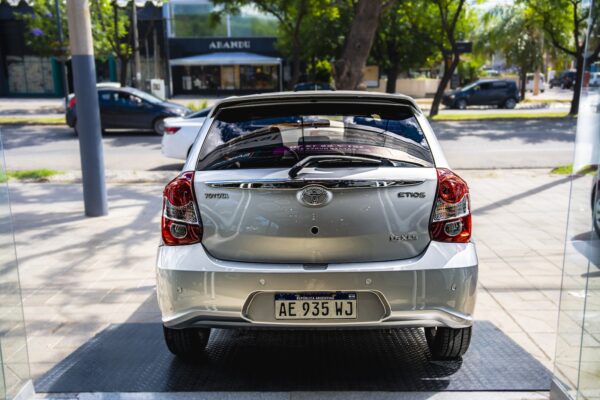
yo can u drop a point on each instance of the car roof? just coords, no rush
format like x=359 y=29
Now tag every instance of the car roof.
x=315 y=95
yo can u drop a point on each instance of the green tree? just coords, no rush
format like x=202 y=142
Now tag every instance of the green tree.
x=398 y=42
x=291 y=16
x=358 y=42
x=566 y=24
x=443 y=23
x=516 y=34
x=110 y=31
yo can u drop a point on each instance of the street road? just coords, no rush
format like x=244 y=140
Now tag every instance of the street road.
x=543 y=143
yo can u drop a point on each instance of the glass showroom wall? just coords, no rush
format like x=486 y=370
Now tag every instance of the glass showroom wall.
x=14 y=372
x=577 y=361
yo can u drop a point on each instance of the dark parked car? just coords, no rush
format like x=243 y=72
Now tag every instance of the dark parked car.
x=502 y=93
x=299 y=87
x=566 y=80
x=129 y=108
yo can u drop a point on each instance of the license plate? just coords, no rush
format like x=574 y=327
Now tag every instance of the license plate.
x=338 y=305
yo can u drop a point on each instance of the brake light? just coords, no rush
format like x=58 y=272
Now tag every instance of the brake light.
x=180 y=222
x=72 y=102
x=169 y=130
x=451 y=220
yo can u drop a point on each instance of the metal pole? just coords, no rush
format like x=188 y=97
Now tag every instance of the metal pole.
x=62 y=60
x=136 y=48
x=88 y=113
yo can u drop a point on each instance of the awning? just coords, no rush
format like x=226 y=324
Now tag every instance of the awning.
x=238 y=58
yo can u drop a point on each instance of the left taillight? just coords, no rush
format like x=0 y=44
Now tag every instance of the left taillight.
x=169 y=130
x=72 y=102
x=451 y=220
x=181 y=223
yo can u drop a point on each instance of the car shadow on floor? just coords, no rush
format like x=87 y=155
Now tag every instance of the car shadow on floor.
x=132 y=357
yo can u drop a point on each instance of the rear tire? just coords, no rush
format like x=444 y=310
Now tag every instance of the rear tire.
x=510 y=103
x=158 y=126
x=188 y=343
x=447 y=343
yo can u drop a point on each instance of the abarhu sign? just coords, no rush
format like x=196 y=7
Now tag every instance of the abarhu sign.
x=230 y=45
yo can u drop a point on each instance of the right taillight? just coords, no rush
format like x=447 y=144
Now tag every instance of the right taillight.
x=181 y=223
x=451 y=220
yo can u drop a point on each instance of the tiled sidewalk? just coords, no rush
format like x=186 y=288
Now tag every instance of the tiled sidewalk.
x=81 y=274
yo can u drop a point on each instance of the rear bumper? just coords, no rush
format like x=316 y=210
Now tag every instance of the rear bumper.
x=437 y=288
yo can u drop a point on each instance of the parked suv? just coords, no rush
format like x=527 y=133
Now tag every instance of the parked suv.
x=321 y=209
x=502 y=93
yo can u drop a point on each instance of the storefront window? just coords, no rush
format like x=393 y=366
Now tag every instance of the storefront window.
x=260 y=77
x=201 y=79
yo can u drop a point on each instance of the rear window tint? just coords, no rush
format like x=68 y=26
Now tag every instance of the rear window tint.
x=278 y=136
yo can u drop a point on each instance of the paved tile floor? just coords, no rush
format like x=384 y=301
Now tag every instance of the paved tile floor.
x=81 y=274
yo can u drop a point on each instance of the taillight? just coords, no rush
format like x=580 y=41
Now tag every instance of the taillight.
x=181 y=223
x=451 y=220
x=169 y=130
x=72 y=102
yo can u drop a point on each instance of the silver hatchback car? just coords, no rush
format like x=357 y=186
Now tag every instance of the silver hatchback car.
x=332 y=210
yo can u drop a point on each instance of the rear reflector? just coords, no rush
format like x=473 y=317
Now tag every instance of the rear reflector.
x=169 y=130
x=451 y=219
x=181 y=222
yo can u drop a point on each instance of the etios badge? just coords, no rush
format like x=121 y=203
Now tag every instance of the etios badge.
x=314 y=196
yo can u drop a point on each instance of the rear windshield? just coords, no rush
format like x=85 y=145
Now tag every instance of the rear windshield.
x=278 y=136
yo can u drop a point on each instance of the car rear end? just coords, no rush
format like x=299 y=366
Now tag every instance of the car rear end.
x=317 y=210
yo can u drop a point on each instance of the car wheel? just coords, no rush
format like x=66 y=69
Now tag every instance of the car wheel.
x=510 y=103
x=447 y=343
x=159 y=126
x=461 y=104
x=186 y=343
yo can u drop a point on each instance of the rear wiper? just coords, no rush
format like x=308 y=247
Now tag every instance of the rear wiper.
x=293 y=172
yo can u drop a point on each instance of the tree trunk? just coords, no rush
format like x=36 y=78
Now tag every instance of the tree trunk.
x=578 y=84
x=295 y=63
x=392 y=77
x=348 y=68
x=123 y=71
x=448 y=72
x=523 y=82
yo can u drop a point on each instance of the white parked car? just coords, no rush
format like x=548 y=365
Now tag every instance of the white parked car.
x=529 y=85
x=594 y=79
x=317 y=209
x=181 y=132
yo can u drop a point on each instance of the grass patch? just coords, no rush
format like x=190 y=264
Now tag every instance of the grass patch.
x=520 y=115
x=197 y=105
x=31 y=174
x=563 y=170
x=568 y=170
x=33 y=120
x=545 y=101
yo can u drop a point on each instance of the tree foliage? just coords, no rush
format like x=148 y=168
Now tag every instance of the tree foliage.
x=398 y=44
x=566 y=24
x=516 y=34
x=42 y=29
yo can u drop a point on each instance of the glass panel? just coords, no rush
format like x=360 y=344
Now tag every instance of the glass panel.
x=13 y=342
x=252 y=23
x=193 y=19
x=577 y=360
